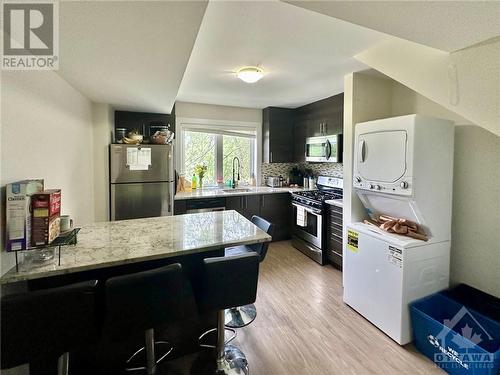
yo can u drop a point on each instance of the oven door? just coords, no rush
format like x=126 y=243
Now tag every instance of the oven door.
x=317 y=149
x=313 y=231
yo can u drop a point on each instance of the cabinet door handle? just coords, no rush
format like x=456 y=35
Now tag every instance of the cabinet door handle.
x=271 y=158
x=263 y=200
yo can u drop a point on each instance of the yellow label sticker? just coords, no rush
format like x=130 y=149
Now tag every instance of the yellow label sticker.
x=352 y=241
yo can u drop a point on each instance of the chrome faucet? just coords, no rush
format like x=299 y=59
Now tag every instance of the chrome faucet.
x=239 y=165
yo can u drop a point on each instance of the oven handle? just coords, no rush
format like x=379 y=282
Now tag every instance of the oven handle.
x=317 y=213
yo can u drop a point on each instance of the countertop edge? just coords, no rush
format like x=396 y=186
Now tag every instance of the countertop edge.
x=335 y=202
x=14 y=278
x=212 y=194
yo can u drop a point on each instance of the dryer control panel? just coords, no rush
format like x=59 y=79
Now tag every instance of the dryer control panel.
x=403 y=187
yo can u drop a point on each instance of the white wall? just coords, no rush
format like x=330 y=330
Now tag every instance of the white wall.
x=365 y=98
x=47 y=133
x=217 y=112
x=475 y=244
x=466 y=81
x=103 y=120
x=475 y=249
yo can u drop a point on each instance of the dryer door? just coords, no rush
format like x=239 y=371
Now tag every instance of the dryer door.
x=381 y=156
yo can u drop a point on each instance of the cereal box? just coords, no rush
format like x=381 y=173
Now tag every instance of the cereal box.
x=18 y=214
x=46 y=212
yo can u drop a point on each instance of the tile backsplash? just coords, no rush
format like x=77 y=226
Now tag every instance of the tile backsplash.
x=283 y=169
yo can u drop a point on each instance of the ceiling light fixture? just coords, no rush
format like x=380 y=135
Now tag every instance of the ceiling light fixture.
x=250 y=74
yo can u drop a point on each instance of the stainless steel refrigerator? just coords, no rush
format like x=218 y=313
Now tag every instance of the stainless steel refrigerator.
x=141 y=181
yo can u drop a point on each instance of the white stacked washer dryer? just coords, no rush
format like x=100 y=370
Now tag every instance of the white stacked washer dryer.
x=403 y=167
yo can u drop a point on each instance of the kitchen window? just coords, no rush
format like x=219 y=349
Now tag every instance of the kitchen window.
x=216 y=147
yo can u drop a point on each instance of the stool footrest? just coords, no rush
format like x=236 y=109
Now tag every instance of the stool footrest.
x=215 y=330
x=158 y=361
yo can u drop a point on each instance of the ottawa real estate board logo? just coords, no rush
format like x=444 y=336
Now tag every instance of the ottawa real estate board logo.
x=30 y=35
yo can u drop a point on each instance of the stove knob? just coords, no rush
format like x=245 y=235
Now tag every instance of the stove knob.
x=358 y=179
x=404 y=185
x=378 y=187
x=370 y=186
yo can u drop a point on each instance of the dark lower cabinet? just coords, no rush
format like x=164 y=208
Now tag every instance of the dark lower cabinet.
x=276 y=208
x=272 y=207
x=247 y=205
x=179 y=207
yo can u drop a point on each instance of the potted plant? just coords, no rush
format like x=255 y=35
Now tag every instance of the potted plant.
x=200 y=171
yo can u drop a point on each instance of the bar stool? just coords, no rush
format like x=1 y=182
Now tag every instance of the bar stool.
x=142 y=301
x=228 y=281
x=241 y=316
x=47 y=324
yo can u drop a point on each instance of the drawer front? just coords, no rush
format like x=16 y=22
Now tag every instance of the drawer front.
x=335 y=258
x=336 y=232
x=336 y=217
x=335 y=245
x=336 y=209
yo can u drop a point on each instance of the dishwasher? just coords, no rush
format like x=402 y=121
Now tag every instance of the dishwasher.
x=205 y=205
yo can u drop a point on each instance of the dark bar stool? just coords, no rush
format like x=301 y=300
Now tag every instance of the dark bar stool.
x=229 y=281
x=241 y=316
x=47 y=324
x=143 y=300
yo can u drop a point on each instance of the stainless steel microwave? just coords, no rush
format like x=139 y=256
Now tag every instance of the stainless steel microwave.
x=325 y=149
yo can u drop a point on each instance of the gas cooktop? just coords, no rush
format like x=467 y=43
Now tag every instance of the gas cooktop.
x=328 y=188
x=320 y=195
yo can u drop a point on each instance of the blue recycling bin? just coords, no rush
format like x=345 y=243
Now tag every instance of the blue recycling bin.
x=457 y=338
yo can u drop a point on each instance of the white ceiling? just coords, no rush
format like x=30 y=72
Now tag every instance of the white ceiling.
x=445 y=25
x=305 y=55
x=129 y=54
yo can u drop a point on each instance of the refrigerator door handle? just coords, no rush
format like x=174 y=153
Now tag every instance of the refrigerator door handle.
x=167 y=202
x=169 y=198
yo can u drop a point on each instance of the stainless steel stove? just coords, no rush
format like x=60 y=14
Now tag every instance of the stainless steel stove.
x=309 y=218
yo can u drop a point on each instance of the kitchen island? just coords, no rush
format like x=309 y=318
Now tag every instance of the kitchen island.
x=115 y=248
x=117 y=243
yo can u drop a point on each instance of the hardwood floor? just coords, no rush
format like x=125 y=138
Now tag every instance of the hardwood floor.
x=303 y=327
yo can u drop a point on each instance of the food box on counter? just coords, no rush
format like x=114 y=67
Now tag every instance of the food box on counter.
x=46 y=203
x=18 y=213
x=46 y=212
x=45 y=230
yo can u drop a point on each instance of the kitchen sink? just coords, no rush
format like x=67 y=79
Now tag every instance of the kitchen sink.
x=236 y=190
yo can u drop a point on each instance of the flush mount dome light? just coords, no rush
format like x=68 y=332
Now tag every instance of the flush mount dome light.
x=250 y=74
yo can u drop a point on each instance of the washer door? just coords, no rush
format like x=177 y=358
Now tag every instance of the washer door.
x=381 y=156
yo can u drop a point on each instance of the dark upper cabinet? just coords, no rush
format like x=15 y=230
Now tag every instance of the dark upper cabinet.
x=277 y=135
x=300 y=135
x=324 y=117
x=142 y=120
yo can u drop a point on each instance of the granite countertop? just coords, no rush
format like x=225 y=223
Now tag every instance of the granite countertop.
x=115 y=243
x=217 y=192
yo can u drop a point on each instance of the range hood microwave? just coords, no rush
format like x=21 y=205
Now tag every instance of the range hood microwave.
x=325 y=149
